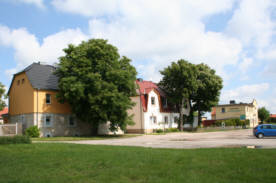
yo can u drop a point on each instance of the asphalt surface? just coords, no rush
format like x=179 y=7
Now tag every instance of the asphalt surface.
x=187 y=140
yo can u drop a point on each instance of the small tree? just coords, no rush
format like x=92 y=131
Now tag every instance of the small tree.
x=179 y=82
x=208 y=91
x=263 y=114
x=2 y=96
x=97 y=83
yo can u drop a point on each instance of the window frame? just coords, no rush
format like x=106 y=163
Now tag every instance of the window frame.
x=152 y=100
x=69 y=121
x=166 y=119
x=50 y=101
x=51 y=120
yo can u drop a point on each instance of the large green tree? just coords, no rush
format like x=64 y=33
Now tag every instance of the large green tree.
x=180 y=84
x=2 y=96
x=208 y=90
x=189 y=84
x=263 y=114
x=97 y=83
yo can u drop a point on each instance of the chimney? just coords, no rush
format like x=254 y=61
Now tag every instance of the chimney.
x=232 y=102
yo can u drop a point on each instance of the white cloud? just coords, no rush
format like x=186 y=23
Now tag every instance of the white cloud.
x=252 y=23
x=28 y=49
x=245 y=93
x=38 y=3
x=164 y=31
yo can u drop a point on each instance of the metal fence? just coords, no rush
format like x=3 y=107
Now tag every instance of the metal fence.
x=10 y=129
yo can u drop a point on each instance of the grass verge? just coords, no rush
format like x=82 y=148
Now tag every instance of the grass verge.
x=71 y=163
x=103 y=137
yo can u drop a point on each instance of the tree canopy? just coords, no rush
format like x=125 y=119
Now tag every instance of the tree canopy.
x=97 y=83
x=189 y=84
x=263 y=114
x=2 y=96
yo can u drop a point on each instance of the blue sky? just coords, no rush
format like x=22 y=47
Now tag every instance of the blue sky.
x=235 y=37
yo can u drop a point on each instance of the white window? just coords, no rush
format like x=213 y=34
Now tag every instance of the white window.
x=176 y=120
x=153 y=119
x=48 y=121
x=152 y=100
x=166 y=119
x=48 y=98
x=72 y=121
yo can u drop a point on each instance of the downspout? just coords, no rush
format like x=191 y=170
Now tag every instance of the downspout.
x=141 y=113
x=37 y=107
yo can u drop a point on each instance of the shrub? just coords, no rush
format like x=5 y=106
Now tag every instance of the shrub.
x=172 y=130
x=32 y=131
x=159 y=131
x=18 y=139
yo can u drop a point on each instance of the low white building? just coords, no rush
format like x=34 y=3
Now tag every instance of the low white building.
x=152 y=110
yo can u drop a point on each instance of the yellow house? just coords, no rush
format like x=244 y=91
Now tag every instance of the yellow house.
x=233 y=110
x=32 y=101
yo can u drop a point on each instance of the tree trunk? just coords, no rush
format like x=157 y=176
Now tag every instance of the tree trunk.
x=180 y=124
x=199 y=118
x=95 y=129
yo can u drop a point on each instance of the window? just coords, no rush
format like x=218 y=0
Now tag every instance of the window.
x=48 y=98
x=166 y=119
x=273 y=126
x=153 y=119
x=48 y=121
x=18 y=82
x=23 y=81
x=222 y=110
x=267 y=127
x=175 y=119
x=152 y=100
x=72 y=121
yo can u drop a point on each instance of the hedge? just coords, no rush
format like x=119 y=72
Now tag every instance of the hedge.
x=232 y=122
x=18 y=139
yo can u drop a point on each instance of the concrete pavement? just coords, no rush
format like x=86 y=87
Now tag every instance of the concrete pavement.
x=187 y=140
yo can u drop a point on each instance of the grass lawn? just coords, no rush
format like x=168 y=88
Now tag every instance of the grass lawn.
x=84 y=138
x=72 y=163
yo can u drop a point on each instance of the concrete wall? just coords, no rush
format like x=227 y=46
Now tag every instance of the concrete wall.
x=138 y=116
x=59 y=127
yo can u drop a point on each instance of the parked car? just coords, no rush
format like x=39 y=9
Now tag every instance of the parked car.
x=263 y=130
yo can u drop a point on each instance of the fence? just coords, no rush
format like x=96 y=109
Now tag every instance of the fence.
x=10 y=129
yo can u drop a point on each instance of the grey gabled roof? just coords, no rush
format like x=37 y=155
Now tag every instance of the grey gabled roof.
x=41 y=76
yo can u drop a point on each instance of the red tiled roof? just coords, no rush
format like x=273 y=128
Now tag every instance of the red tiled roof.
x=144 y=88
x=4 y=111
x=273 y=115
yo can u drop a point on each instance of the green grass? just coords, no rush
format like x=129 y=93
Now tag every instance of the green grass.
x=71 y=163
x=84 y=138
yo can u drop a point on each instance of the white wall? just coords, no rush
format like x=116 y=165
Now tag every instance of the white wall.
x=154 y=110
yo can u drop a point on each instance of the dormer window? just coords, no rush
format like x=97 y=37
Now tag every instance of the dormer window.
x=152 y=100
x=48 y=98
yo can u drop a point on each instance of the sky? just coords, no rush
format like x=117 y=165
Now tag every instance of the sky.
x=237 y=38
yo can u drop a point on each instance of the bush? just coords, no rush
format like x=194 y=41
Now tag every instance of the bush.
x=159 y=131
x=172 y=130
x=32 y=131
x=18 y=139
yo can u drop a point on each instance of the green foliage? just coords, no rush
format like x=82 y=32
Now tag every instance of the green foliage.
x=97 y=83
x=195 y=85
x=158 y=131
x=263 y=114
x=231 y=122
x=2 y=96
x=172 y=130
x=18 y=139
x=32 y=131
